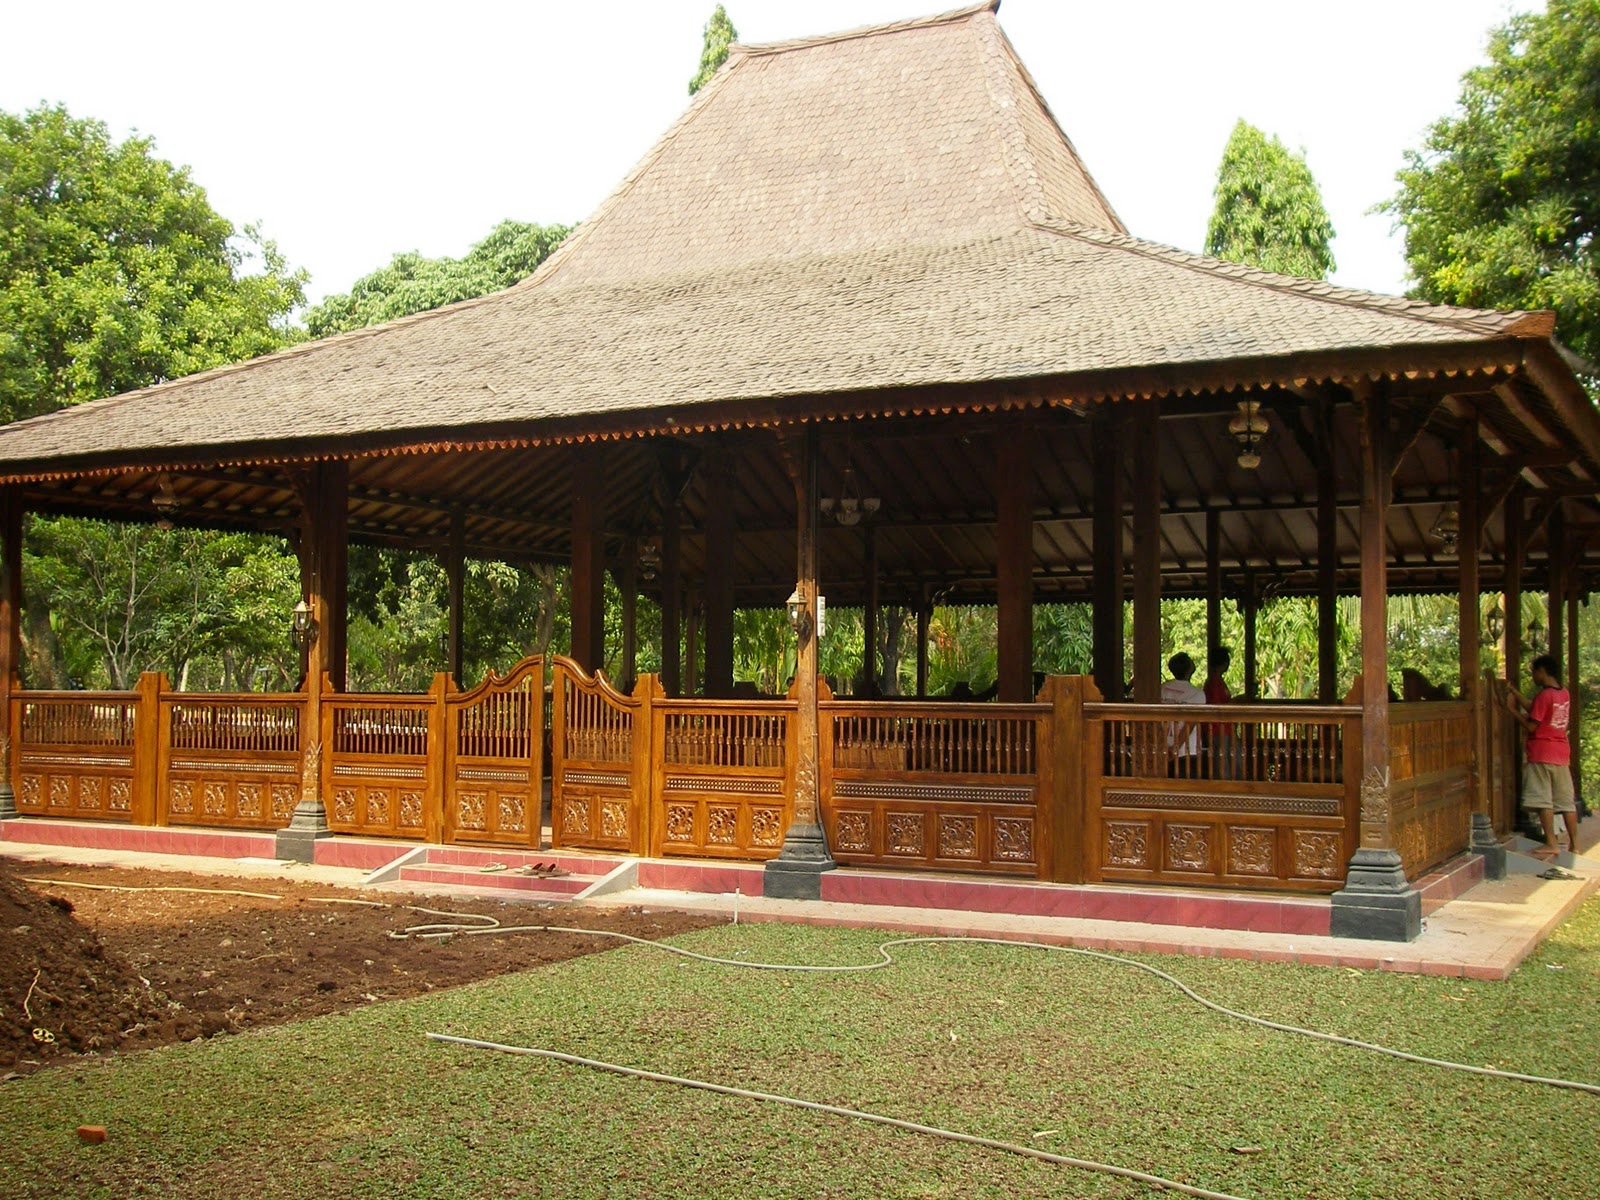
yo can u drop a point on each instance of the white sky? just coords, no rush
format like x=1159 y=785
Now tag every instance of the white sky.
x=353 y=130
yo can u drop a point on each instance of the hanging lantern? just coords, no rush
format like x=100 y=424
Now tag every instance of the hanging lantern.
x=1447 y=527
x=1247 y=429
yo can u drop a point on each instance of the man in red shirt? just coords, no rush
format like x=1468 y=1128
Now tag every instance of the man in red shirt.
x=1547 y=772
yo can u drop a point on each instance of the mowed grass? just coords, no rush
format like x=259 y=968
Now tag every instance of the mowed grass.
x=1068 y=1054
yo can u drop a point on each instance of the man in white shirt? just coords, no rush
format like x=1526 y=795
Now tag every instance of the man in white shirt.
x=1183 y=737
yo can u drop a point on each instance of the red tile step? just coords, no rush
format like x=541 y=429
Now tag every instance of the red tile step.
x=463 y=867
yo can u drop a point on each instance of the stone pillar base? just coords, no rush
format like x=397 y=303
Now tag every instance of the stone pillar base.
x=299 y=845
x=1376 y=902
x=1486 y=844
x=8 y=803
x=796 y=874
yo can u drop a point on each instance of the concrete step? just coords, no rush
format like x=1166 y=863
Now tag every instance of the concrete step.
x=462 y=867
x=563 y=887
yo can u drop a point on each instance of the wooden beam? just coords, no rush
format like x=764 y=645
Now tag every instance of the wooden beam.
x=1146 y=552
x=1407 y=426
x=1013 y=485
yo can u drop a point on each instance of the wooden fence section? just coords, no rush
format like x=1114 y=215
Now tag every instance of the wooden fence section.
x=229 y=761
x=1430 y=772
x=378 y=774
x=953 y=786
x=75 y=755
x=1238 y=795
x=1502 y=765
x=600 y=762
x=724 y=775
x=493 y=760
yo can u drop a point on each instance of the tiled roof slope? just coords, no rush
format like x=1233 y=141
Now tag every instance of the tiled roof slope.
x=922 y=132
x=1021 y=305
x=880 y=209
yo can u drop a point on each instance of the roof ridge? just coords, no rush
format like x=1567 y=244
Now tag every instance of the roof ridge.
x=846 y=35
x=1474 y=320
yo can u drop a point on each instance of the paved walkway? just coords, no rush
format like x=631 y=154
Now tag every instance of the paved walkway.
x=1482 y=934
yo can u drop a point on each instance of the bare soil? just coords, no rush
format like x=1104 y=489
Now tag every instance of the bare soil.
x=90 y=971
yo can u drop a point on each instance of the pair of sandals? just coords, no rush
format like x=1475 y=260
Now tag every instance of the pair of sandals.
x=1558 y=873
x=542 y=870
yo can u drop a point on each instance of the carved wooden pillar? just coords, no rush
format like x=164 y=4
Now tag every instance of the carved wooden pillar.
x=1327 y=556
x=324 y=575
x=1147 y=552
x=1376 y=901
x=719 y=479
x=1014 y=570
x=796 y=874
x=588 y=556
x=456 y=575
x=10 y=634
x=1106 y=440
x=1469 y=552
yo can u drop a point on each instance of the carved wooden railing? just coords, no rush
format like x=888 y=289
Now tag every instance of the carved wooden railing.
x=953 y=786
x=493 y=758
x=600 y=761
x=1237 y=795
x=74 y=754
x=379 y=763
x=1430 y=767
x=723 y=776
x=229 y=760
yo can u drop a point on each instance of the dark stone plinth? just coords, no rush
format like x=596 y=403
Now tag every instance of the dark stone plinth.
x=796 y=874
x=299 y=845
x=8 y=802
x=1486 y=844
x=1376 y=903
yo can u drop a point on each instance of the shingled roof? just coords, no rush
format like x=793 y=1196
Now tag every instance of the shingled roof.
x=836 y=222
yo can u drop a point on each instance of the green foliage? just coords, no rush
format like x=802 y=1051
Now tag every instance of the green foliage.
x=720 y=34
x=1500 y=206
x=1269 y=213
x=411 y=283
x=115 y=272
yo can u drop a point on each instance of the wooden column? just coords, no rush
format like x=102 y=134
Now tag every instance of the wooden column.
x=1327 y=557
x=1107 y=533
x=796 y=874
x=671 y=600
x=1376 y=901
x=588 y=583
x=1574 y=683
x=1250 y=605
x=719 y=478
x=1147 y=552
x=10 y=635
x=691 y=646
x=1013 y=491
x=1516 y=552
x=456 y=576
x=869 y=614
x=627 y=576
x=924 y=616
x=1469 y=551
x=1213 y=582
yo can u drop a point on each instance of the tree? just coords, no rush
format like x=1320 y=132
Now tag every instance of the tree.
x=412 y=283
x=1500 y=206
x=1269 y=213
x=115 y=271
x=720 y=34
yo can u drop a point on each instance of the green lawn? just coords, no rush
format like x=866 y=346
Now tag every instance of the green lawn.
x=1067 y=1054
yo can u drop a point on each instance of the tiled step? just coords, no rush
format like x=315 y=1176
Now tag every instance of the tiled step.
x=565 y=886
x=462 y=867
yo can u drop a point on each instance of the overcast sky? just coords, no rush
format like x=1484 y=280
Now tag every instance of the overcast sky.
x=352 y=131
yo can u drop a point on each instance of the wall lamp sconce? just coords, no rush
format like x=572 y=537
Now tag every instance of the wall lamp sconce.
x=303 y=626
x=1536 y=632
x=1495 y=623
x=799 y=615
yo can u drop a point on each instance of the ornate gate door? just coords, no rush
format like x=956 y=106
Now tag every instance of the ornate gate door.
x=493 y=759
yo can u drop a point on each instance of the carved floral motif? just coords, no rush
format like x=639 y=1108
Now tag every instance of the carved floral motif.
x=377 y=806
x=344 y=805
x=121 y=795
x=1127 y=844
x=248 y=799
x=1375 y=808
x=410 y=810
x=1316 y=853
x=906 y=833
x=60 y=791
x=766 y=827
x=1013 y=839
x=180 y=796
x=31 y=785
x=680 y=822
x=854 y=831
x=89 y=792
x=283 y=801
x=470 y=811
x=575 y=816
x=614 y=819
x=512 y=814
x=1250 y=851
x=215 y=799
x=722 y=825
x=958 y=837
x=1188 y=847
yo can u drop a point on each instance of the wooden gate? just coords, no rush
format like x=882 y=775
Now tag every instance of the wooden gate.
x=493 y=760
x=600 y=762
x=723 y=784
x=75 y=756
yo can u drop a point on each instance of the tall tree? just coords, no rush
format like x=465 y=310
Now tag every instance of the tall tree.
x=115 y=271
x=1269 y=213
x=412 y=283
x=720 y=34
x=1500 y=206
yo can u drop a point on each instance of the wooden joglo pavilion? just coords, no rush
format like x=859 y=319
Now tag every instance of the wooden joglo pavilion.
x=861 y=267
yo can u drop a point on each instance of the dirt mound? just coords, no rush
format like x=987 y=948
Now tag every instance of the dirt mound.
x=61 y=991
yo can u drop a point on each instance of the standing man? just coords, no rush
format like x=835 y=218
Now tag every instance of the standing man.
x=1217 y=692
x=1183 y=737
x=1547 y=773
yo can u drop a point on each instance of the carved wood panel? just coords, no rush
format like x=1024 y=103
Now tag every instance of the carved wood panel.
x=85 y=785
